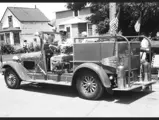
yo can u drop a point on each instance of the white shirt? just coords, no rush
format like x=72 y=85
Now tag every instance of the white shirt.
x=145 y=43
x=25 y=44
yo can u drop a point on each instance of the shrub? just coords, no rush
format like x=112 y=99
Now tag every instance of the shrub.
x=37 y=48
x=30 y=47
x=19 y=50
x=7 y=48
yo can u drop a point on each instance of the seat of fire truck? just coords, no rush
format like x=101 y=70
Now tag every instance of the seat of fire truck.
x=52 y=50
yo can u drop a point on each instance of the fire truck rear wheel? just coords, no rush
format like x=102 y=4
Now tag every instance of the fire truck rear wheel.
x=89 y=86
x=11 y=79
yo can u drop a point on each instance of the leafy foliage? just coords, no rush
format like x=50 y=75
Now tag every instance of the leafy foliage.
x=129 y=14
x=100 y=15
x=37 y=48
x=20 y=50
x=76 y=5
x=7 y=49
x=11 y=49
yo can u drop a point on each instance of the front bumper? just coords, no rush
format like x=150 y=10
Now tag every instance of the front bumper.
x=136 y=85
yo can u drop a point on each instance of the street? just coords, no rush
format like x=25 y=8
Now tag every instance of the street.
x=33 y=100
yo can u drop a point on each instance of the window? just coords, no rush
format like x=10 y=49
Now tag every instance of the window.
x=1 y=37
x=16 y=38
x=76 y=13
x=68 y=32
x=10 y=18
x=89 y=29
x=61 y=27
x=10 y=21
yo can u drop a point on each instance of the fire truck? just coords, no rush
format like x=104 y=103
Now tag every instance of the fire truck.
x=111 y=63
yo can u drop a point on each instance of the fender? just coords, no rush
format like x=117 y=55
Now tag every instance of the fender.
x=18 y=68
x=98 y=70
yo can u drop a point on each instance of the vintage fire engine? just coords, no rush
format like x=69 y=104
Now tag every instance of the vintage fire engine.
x=110 y=63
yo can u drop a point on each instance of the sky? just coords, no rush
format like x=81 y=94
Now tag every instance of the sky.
x=48 y=9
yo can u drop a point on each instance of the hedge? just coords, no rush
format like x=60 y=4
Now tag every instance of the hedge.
x=10 y=49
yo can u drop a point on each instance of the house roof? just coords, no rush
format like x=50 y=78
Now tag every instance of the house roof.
x=52 y=22
x=28 y=14
x=74 y=20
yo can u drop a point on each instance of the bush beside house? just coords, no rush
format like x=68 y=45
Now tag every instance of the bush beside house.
x=11 y=49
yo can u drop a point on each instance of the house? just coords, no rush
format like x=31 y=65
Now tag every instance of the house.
x=19 y=24
x=75 y=22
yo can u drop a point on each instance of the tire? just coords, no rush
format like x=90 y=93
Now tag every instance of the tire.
x=11 y=79
x=86 y=89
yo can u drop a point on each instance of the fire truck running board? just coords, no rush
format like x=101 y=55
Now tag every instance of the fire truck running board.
x=135 y=86
x=50 y=82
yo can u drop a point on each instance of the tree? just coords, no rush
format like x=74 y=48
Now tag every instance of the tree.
x=129 y=14
x=76 y=5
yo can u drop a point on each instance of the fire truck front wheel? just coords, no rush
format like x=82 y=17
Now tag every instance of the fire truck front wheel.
x=89 y=86
x=11 y=78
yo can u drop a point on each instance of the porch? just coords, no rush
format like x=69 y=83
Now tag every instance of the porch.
x=10 y=36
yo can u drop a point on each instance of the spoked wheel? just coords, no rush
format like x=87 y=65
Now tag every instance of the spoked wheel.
x=89 y=86
x=11 y=79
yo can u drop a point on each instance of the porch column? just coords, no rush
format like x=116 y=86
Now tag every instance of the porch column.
x=11 y=38
x=5 y=39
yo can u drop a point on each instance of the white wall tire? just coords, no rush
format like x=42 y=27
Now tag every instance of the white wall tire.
x=89 y=86
x=11 y=79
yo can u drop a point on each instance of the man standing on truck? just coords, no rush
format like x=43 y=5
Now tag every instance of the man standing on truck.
x=145 y=47
x=84 y=35
x=35 y=44
x=25 y=46
x=145 y=55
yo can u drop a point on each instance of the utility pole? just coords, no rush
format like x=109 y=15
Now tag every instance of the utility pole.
x=112 y=10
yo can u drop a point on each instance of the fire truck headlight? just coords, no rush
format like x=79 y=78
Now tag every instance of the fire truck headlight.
x=111 y=77
x=16 y=58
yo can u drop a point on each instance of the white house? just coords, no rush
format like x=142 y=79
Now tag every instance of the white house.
x=75 y=22
x=19 y=24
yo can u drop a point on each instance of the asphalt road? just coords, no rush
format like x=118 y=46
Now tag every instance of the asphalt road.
x=33 y=100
